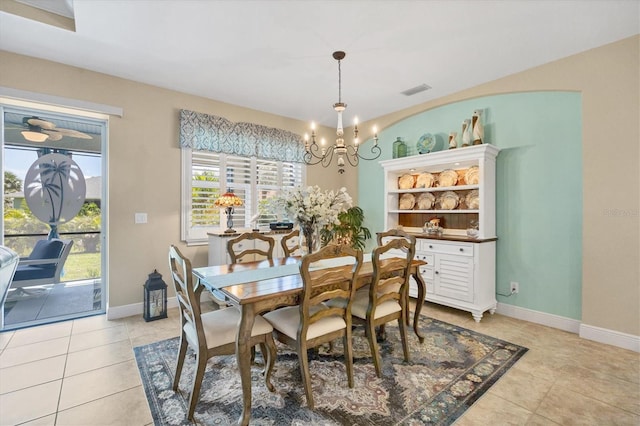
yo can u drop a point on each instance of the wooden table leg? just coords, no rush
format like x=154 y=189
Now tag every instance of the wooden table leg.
x=243 y=355
x=422 y=290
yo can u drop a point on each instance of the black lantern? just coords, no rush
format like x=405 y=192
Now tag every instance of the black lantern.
x=155 y=297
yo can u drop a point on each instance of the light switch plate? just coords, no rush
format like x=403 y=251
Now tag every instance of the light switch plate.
x=140 y=218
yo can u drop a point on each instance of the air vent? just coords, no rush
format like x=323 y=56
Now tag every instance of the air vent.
x=416 y=89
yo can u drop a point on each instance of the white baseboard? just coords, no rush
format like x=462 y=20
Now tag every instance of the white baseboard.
x=610 y=337
x=134 y=309
x=550 y=320
x=597 y=334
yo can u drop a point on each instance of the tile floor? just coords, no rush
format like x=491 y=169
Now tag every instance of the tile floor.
x=83 y=372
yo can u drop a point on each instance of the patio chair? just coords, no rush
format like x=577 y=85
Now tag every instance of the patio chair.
x=8 y=264
x=44 y=264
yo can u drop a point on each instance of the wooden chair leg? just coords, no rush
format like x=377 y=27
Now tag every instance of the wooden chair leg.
x=304 y=371
x=348 y=356
x=373 y=346
x=269 y=354
x=182 y=353
x=403 y=336
x=201 y=364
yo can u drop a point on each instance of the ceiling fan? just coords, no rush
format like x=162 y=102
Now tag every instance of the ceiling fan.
x=40 y=130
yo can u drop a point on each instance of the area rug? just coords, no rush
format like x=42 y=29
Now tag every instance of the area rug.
x=447 y=373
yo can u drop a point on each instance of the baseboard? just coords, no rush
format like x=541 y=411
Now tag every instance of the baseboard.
x=610 y=337
x=589 y=332
x=550 y=320
x=116 y=312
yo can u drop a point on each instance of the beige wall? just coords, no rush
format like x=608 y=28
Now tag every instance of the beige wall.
x=609 y=80
x=144 y=161
x=143 y=152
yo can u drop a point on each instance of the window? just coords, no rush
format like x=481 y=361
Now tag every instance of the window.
x=206 y=175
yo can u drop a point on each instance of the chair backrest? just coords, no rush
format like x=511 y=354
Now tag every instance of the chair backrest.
x=390 y=274
x=44 y=265
x=182 y=277
x=8 y=264
x=288 y=248
x=236 y=256
x=324 y=284
x=383 y=237
x=47 y=249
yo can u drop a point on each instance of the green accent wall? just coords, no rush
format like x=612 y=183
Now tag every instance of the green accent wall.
x=539 y=189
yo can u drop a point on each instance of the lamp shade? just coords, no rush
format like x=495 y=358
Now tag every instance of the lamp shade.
x=228 y=199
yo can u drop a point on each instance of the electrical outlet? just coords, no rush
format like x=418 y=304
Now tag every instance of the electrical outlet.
x=515 y=287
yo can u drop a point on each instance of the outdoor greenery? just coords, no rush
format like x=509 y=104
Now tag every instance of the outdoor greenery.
x=81 y=266
x=11 y=184
x=84 y=259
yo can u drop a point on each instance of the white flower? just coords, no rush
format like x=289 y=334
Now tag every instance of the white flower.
x=311 y=205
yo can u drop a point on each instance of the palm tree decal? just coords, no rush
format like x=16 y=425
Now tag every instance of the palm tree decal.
x=55 y=189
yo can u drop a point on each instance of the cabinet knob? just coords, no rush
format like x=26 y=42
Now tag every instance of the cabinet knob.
x=430 y=246
x=437 y=272
x=461 y=249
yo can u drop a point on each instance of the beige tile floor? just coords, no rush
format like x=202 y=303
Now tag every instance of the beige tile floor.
x=83 y=372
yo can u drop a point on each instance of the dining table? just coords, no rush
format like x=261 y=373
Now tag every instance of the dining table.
x=261 y=286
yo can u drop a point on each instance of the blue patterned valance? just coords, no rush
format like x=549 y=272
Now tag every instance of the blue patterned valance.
x=211 y=133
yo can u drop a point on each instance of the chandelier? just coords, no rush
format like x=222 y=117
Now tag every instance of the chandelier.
x=319 y=154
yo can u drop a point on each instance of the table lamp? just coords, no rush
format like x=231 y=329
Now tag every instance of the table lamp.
x=229 y=200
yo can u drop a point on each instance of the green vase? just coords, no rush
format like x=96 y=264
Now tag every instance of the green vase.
x=399 y=148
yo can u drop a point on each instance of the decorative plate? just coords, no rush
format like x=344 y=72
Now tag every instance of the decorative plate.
x=448 y=177
x=449 y=200
x=407 y=201
x=406 y=181
x=425 y=201
x=426 y=143
x=472 y=200
x=472 y=176
x=425 y=180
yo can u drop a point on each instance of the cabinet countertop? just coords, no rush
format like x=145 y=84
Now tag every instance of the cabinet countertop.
x=458 y=238
x=262 y=231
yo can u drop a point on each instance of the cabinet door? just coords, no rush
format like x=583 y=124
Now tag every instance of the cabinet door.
x=454 y=277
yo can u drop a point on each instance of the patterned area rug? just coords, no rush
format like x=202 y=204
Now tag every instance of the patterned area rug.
x=447 y=373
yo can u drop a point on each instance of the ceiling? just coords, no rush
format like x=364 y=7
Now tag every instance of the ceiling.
x=275 y=56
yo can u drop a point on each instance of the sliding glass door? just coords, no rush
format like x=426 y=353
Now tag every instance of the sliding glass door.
x=53 y=169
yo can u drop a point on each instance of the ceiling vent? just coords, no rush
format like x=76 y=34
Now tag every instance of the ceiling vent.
x=417 y=89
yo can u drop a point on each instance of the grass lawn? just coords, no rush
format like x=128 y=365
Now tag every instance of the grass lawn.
x=81 y=266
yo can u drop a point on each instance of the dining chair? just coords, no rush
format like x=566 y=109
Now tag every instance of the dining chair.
x=386 y=298
x=248 y=244
x=212 y=333
x=383 y=237
x=291 y=243
x=386 y=236
x=312 y=322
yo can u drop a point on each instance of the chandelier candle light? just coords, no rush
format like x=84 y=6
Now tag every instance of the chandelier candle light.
x=229 y=200
x=314 y=154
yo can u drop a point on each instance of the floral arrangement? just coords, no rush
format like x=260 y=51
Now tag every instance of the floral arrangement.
x=311 y=208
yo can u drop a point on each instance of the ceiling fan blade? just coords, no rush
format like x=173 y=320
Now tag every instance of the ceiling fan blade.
x=53 y=135
x=35 y=121
x=73 y=133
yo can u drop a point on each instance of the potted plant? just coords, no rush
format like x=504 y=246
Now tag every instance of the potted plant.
x=349 y=231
